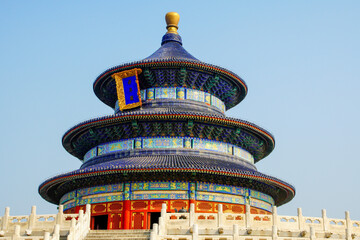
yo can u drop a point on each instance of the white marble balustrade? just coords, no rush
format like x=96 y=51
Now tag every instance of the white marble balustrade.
x=247 y=226
x=45 y=226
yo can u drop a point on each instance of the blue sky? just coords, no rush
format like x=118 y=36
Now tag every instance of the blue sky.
x=300 y=60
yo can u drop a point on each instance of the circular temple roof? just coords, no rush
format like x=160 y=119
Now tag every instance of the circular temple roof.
x=171 y=65
x=158 y=167
x=86 y=135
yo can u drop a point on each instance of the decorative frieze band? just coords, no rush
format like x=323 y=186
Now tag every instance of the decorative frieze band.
x=169 y=142
x=180 y=93
x=168 y=190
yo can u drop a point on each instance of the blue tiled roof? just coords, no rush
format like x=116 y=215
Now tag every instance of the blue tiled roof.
x=171 y=48
x=171 y=55
x=155 y=114
x=171 y=163
x=169 y=158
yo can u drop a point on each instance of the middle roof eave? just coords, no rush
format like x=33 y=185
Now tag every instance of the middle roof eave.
x=72 y=134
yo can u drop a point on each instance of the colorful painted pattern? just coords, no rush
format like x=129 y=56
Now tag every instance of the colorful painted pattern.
x=67 y=197
x=165 y=93
x=99 y=199
x=179 y=93
x=114 y=147
x=69 y=205
x=188 y=143
x=127 y=191
x=261 y=204
x=211 y=187
x=208 y=100
x=91 y=191
x=143 y=186
x=100 y=189
x=169 y=142
x=103 y=149
x=123 y=145
x=205 y=144
x=262 y=196
x=241 y=153
x=93 y=200
x=167 y=190
x=155 y=196
x=142 y=95
x=163 y=143
x=192 y=191
x=150 y=94
x=214 y=197
x=217 y=103
x=195 y=95
x=90 y=154
x=263 y=201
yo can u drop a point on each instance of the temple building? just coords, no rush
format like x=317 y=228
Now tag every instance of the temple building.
x=168 y=141
x=169 y=165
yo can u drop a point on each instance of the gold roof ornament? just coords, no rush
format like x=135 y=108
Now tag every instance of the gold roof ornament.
x=172 y=20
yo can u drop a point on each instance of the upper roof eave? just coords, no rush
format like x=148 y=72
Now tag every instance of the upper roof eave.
x=170 y=62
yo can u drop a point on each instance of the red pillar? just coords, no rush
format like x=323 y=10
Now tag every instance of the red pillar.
x=77 y=209
x=127 y=215
x=127 y=207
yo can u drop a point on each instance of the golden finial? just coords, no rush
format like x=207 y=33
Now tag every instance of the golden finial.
x=172 y=20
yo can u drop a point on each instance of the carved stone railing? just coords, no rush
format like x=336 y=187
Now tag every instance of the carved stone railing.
x=188 y=226
x=44 y=226
x=80 y=229
x=247 y=226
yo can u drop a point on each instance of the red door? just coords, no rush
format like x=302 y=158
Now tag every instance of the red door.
x=137 y=220
x=115 y=221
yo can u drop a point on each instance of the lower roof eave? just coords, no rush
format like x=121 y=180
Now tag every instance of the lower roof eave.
x=284 y=192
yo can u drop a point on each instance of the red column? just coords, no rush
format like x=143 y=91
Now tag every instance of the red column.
x=77 y=209
x=127 y=215
x=127 y=207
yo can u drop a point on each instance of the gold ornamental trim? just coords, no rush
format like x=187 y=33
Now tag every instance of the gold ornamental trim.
x=120 y=87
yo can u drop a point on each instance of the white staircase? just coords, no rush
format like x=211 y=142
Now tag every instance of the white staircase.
x=118 y=234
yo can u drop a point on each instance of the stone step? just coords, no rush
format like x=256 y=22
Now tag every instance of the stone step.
x=116 y=237
x=137 y=234
x=106 y=236
x=123 y=235
x=141 y=233
x=121 y=231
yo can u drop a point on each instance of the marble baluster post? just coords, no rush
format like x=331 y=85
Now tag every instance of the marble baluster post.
x=325 y=220
x=348 y=225
x=5 y=219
